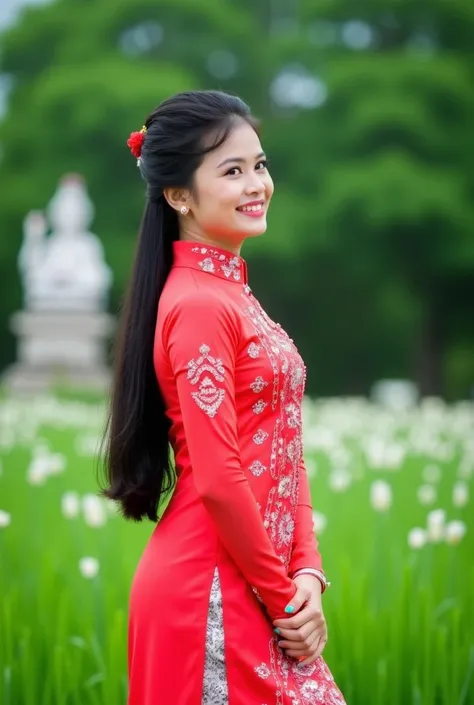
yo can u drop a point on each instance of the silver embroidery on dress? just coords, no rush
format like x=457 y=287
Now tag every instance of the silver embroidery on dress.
x=260 y=436
x=257 y=468
x=291 y=683
x=215 y=689
x=207 y=265
x=259 y=406
x=253 y=350
x=258 y=384
x=303 y=685
x=209 y=397
x=231 y=267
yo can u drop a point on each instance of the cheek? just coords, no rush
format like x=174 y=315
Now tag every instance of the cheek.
x=216 y=203
x=269 y=187
x=222 y=199
x=229 y=194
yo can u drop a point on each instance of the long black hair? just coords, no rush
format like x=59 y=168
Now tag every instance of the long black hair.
x=135 y=447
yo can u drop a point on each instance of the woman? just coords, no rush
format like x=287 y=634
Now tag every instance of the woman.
x=200 y=366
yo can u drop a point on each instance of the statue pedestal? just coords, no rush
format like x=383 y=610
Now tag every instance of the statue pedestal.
x=67 y=349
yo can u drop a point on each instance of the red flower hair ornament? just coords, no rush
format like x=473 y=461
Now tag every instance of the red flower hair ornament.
x=135 y=142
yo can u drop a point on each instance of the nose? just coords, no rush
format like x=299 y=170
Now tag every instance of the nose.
x=254 y=185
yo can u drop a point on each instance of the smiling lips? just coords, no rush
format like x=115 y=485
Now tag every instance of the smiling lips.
x=255 y=209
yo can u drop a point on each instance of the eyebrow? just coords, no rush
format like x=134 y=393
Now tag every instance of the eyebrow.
x=240 y=160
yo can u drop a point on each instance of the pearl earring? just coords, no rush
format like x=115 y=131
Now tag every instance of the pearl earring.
x=184 y=210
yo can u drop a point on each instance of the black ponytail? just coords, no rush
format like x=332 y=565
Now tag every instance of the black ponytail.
x=137 y=455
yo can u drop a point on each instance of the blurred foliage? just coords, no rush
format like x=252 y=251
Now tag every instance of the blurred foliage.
x=400 y=617
x=371 y=230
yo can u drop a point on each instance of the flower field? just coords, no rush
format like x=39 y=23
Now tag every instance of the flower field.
x=394 y=517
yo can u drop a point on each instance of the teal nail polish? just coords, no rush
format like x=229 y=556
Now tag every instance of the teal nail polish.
x=289 y=609
x=276 y=630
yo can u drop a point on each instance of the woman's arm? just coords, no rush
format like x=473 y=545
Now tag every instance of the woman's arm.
x=201 y=336
x=305 y=552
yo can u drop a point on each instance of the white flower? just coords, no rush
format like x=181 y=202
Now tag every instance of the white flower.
x=37 y=470
x=70 y=504
x=432 y=473
x=89 y=567
x=5 y=519
x=455 y=531
x=94 y=510
x=460 y=494
x=426 y=494
x=380 y=495
x=417 y=537
x=56 y=463
x=320 y=522
x=436 y=525
x=339 y=480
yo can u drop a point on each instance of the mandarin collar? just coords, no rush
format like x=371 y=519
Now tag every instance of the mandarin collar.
x=213 y=260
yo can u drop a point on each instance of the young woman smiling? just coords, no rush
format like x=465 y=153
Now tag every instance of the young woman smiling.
x=225 y=604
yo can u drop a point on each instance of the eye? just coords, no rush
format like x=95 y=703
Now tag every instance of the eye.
x=234 y=168
x=264 y=164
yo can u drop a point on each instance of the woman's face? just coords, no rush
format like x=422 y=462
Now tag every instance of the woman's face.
x=232 y=191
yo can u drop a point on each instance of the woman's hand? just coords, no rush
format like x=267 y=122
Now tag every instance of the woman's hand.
x=304 y=635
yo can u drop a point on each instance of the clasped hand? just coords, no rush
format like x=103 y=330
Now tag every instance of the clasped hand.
x=304 y=635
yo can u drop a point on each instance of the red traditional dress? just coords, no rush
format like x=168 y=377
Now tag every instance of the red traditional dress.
x=217 y=568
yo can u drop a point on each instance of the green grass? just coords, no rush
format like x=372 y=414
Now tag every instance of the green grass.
x=401 y=623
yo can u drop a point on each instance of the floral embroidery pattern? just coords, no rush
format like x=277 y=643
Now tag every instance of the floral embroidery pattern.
x=253 y=350
x=259 y=406
x=289 y=377
x=231 y=267
x=215 y=689
x=257 y=468
x=303 y=685
x=263 y=671
x=260 y=436
x=209 y=397
x=258 y=385
x=207 y=265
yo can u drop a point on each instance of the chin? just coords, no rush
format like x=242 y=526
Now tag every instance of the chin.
x=257 y=228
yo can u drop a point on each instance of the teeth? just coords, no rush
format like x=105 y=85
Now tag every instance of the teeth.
x=251 y=208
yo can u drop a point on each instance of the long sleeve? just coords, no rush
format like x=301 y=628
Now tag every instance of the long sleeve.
x=305 y=553
x=201 y=335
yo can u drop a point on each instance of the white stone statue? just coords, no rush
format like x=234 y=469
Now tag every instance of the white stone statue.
x=65 y=270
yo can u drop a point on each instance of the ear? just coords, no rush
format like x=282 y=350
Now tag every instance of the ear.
x=177 y=197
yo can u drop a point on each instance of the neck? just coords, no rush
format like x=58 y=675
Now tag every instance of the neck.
x=188 y=235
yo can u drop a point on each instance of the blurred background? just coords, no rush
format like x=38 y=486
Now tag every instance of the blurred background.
x=367 y=116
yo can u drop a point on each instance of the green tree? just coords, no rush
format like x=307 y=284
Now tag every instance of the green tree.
x=391 y=174
x=83 y=77
x=371 y=229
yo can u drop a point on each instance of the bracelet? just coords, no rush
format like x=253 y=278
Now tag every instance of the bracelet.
x=317 y=574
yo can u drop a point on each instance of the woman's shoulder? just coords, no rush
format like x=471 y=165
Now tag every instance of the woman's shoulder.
x=192 y=299
x=183 y=290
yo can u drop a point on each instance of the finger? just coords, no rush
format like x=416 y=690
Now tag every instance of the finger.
x=298 y=620
x=322 y=645
x=296 y=653
x=307 y=661
x=301 y=644
x=303 y=659
x=315 y=653
x=308 y=613
x=290 y=646
x=301 y=634
x=301 y=596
